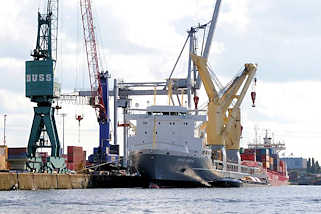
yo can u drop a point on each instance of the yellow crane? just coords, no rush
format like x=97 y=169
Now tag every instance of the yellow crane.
x=224 y=126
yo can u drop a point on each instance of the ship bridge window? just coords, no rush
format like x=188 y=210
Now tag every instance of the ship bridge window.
x=167 y=113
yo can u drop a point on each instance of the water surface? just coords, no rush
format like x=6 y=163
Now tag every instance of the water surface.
x=286 y=199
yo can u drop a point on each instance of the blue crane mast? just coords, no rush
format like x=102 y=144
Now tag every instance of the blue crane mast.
x=99 y=98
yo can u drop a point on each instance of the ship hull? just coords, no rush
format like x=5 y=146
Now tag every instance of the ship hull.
x=277 y=179
x=168 y=170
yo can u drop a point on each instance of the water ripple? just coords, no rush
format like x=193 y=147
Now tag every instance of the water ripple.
x=290 y=199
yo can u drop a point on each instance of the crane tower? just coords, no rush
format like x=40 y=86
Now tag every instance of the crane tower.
x=99 y=86
x=41 y=89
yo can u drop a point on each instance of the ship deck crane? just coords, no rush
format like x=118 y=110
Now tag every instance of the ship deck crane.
x=224 y=126
x=223 y=119
x=208 y=44
x=41 y=89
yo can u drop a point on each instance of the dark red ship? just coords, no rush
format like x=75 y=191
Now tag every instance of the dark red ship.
x=266 y=157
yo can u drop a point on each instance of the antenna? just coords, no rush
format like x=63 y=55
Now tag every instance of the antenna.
x=4 y=129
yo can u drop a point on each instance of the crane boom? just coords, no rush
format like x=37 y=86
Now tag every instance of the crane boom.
x=92 y=59
x=232 y=130
x=205 y=76
x=220 y=129
x=215 y=114
x=230 y=94
x=209 y=39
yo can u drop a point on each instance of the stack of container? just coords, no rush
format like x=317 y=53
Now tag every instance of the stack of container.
x=262 y=155
x=17 y=153
x=271 y=163
x=249 y=155
x=76 y=158
x=276 y=164
x=3 y=157
x=17 y=158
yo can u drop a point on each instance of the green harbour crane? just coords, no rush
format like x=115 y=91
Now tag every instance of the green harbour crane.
x=41 y=89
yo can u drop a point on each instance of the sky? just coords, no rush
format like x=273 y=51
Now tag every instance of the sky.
x=143 y=39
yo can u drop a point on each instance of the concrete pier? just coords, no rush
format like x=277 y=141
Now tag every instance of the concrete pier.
x=38 y=181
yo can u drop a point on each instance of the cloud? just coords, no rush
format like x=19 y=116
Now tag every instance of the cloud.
x=140 y=40
x=289 y=111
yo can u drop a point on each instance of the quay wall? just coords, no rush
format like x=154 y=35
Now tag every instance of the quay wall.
x=38 y=181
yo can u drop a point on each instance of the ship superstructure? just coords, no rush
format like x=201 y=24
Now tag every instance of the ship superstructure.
x=167 y=128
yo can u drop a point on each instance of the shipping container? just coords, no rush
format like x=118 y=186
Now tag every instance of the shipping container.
x=17 y=153
x=276 y=163
x=70 y=166
x=75 y=166
x=266 y=164
x=84 y=158
x=76 y=158
x=74 y=149
x=3 y=157
x=74 y=154
x=249 y=157
x=276 y=156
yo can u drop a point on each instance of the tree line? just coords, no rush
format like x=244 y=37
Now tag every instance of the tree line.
x=313 y=166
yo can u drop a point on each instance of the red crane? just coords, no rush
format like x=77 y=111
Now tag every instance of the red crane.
x=92 y=59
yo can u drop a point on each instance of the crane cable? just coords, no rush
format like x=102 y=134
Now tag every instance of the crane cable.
x=179 y=56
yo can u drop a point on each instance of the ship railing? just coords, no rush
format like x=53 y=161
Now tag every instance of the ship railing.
x=231 y=167
x=237 y=168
